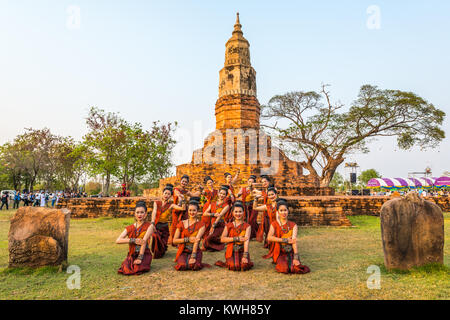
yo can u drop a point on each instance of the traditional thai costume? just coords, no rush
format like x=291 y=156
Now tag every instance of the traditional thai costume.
x=212 y=241
x=235 y=250
x=265 y=221
x=251 y=216
x=177 y=215
x=185 y=249
x=283 y=253
x=160 y=236
x=128 y=267
x=211 y=196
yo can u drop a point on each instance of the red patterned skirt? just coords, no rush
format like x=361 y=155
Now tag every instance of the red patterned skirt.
x=128 y=267
x=183 y=262
x=252 y=219
x=234 y=263
x=285 y=264
x=212 y=241
x=160 y=238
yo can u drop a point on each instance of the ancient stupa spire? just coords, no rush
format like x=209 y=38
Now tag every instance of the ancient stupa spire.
x=237 y=106
x=237 y=25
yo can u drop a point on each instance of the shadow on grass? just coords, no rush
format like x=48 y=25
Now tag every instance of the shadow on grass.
x=432 y=268
x=30 y=271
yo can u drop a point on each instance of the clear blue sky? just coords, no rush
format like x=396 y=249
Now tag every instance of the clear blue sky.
x=159 y=60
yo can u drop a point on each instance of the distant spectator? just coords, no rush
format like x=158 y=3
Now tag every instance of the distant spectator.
x=37 y=199
x=47 y=199
x=5 y=198
x=43 y=199
x=17 y=199
x=53 y=199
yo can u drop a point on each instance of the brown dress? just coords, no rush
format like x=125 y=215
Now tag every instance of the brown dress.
x=212 y=241
x=235 y=251
x=160 y=237
x=177 y=215
x=283 y=254
x=185 y=249
x=128 y=267
x=251 y=216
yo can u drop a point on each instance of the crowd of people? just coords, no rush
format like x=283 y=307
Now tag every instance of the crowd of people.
x=37 y=199
x=213 y=219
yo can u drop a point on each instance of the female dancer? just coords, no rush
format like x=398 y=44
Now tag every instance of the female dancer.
x=230 y=181
x=214 y=217
x=270 y=215
x=180 y=195
x=247 y=195
x=187 y=236
x=136 y=263
x=266 y=183
x=160 y=223
x=210 y=193
x=236 y=235
x=283 y=234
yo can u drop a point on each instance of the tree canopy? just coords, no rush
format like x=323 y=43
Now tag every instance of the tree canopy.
x=366 y=175
x=312 y=127
x=112 y=148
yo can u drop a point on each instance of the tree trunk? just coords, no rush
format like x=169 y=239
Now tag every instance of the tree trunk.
x=329 y=170
x=107 y=183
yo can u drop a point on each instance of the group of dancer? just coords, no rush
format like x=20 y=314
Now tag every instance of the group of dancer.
x=210 y=219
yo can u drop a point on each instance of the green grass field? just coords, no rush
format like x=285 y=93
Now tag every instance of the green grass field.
x=338 y=258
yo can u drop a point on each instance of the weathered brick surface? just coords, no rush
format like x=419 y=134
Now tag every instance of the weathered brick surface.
x=237 y=111
x=306 y=211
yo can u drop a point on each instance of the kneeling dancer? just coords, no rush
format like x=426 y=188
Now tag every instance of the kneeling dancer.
x=136 y=263
x=237 y=236
x=283 y=234
x=159 y=234
x=187 y=236
x=215 y=214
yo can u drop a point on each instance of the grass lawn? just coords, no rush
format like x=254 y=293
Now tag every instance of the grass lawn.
x=338 y=258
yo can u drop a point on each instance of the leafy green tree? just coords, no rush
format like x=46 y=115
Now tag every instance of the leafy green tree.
x=311 y=127
x=145 y=153
x=366 y=175
x=69 y=160
x=103 y=143
x=118 y=149
x=27 y=159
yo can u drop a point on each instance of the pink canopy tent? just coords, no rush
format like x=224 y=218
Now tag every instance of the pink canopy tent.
x=408 y=183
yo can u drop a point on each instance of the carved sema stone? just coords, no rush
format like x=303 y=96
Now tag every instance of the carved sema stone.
x=412 y=231
x=38 y=237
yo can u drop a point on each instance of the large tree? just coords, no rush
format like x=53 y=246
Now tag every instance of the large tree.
x=28 y=157
x=123 y=150
x=145 y=153
x=312 y=127
x=103 y=141
x=69 y=160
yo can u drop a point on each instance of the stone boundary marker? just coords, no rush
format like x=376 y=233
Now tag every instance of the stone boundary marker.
x=412 y=231
x=38 y=237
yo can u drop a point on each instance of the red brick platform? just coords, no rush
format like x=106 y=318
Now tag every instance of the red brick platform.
x=306 y=211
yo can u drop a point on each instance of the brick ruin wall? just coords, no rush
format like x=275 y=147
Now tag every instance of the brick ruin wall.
x=305 y=211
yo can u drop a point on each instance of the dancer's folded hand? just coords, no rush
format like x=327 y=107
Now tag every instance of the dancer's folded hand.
x=140 y=242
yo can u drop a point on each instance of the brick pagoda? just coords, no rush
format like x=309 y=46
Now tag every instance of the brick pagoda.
x=237 y=141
